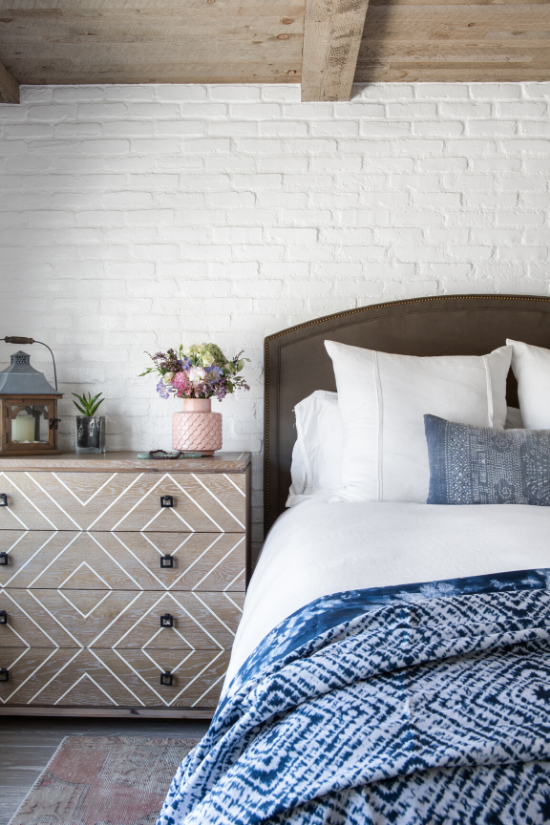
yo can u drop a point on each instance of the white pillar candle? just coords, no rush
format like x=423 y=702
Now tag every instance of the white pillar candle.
x=22 y=428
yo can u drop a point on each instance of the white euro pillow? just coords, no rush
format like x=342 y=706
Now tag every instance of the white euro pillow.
x=382 y=399
x=531 y=366
x=315 y=467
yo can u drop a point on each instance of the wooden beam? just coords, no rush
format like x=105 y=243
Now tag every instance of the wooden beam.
x=332 y=36
x=9 y=87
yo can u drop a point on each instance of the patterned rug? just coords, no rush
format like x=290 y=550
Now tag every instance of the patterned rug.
x=107 y=780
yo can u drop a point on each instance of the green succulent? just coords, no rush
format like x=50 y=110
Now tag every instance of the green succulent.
x=88 y=405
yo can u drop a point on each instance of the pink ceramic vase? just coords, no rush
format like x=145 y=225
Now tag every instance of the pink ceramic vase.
x=197 y=428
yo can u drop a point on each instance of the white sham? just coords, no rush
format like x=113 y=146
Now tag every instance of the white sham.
x=315 y=468
x=531 y=366
x=382 y=399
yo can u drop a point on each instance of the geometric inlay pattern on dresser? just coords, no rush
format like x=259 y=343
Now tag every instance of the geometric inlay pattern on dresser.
x=119 y=618
x=209 y=503
x=111 y=678
x=205 y=561
x=121 y=590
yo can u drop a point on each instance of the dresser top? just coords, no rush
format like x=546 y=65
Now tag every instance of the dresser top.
x=127 y=462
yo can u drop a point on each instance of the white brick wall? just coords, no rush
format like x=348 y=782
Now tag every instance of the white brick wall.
x=133 y=218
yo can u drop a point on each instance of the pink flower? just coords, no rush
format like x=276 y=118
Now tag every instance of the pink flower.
x=196 y=375
x=181 y=384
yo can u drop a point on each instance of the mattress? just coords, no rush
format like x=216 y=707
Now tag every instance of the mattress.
x=319 y=548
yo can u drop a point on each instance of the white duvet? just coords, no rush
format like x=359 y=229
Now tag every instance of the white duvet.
x=317 y=548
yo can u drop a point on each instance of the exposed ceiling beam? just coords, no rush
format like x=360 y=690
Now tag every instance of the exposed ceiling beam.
x=332 y=36
x=9 y=87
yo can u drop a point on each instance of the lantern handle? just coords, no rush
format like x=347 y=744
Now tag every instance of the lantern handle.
x=16 y=339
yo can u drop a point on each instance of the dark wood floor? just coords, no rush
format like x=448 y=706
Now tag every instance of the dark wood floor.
x=27 y=745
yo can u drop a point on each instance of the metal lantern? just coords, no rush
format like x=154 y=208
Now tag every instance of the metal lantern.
x=28 y=406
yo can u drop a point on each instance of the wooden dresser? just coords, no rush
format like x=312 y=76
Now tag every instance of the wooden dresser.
x=122 y=582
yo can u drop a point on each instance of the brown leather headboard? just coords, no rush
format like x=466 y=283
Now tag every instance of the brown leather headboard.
x=296 y=362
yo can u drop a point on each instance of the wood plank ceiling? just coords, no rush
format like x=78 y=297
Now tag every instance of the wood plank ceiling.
x=324 y=44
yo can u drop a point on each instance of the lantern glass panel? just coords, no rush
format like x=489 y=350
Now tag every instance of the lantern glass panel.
x=29 y=423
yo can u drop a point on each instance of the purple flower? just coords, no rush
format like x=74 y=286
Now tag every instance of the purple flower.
x=162 y=389
x=213 y=373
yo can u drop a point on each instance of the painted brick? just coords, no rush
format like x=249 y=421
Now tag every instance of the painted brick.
x=102 y=111
x=523 y=253
x=442 y=128
x=333 y=128
x=182 y=94
x=284 y=128
x=366 y=110
x=487 y=200
x=223 y=128
x=412 y=110
x=492 y=128
x=383 y=91
x=466 y=110
x=517 y=218
x=281 y=93
x=235 y=94
x=535 y=128
x=51 y=113
x=441 y=91
x=385 y=128
x=283 y=164
x=253 y=182
x=495 y=91
x=258 y=112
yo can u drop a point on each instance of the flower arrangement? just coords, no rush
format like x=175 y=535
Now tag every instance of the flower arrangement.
x=199 y=371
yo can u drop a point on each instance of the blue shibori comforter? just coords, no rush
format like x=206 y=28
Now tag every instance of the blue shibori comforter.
x=414 y=704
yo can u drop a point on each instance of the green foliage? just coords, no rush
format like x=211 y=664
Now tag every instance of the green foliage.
x=87 y=406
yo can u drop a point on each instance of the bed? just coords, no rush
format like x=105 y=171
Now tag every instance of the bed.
x=393 y=660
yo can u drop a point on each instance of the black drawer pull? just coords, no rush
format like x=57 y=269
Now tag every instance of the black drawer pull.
x=167 y=620
x=3 y=617
x=4 y=674
x=3 y=500
x=3 y=558
x=166 y=501
x=166 y=678
x=167 y=561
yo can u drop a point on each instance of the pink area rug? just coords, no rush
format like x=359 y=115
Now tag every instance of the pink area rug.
x=107 y=780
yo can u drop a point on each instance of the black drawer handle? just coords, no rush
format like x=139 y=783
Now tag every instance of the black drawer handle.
x=3 y=617
x=166 y=501
x=3 y=500
x=3 y=558
x=165 y=561
x=166 y=678
x=4 y=674
x=167 y=620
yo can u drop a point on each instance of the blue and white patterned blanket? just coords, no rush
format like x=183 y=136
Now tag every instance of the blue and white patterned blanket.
x=415 y=704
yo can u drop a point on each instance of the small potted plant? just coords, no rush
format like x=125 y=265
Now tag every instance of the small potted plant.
x=90 y=428
x=197 y=374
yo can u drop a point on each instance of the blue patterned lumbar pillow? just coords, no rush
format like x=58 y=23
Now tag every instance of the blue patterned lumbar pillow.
x=479 y=465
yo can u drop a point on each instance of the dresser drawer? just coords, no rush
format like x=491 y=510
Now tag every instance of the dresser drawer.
x=69 y=677
x=119 y=618
x=207 y=502
x=123 y=561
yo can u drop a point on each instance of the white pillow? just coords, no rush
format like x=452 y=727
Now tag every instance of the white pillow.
x=531 y=366
x=514 y=420
x=315 y=468
x=382 y=399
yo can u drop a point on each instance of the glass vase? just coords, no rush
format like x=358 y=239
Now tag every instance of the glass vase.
x=90 y=434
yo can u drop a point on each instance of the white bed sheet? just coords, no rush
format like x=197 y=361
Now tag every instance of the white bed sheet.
x=318 y=548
